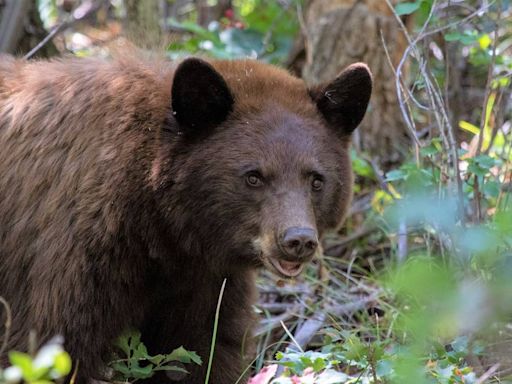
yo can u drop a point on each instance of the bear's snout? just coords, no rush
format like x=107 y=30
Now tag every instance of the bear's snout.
x=299 y=243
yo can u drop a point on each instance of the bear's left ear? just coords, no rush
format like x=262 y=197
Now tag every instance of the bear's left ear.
x=343 y=101
x=200 y=96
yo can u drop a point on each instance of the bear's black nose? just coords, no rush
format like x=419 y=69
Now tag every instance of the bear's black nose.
x=299 y=242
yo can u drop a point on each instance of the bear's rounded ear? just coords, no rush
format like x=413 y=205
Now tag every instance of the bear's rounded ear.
x=200 y=96
x=343 y=101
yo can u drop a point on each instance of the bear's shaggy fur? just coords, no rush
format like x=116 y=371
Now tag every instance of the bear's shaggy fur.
x=129 y=190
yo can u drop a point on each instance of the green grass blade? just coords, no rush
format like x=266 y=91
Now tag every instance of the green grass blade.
x=214 y=336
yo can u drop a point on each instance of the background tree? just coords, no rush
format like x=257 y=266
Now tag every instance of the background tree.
x=337 y=33
x=21 y=28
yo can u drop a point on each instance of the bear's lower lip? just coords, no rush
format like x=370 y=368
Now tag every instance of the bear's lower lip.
x=287 y=268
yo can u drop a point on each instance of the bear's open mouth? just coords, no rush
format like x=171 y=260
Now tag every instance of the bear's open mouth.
x=286 y=268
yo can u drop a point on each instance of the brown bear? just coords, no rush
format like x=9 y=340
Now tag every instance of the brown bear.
x=129 y=190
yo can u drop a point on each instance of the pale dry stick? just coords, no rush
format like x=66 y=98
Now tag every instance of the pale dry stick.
x=455 y=158
x=311 y=326
x=63 y=26
x=490 y=372
x=434 y=92
x=7 y=324
x=398 y=72
x=410 y=96
x=467 y=18
x=435 y=99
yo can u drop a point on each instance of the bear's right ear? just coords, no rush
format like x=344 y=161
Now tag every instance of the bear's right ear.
x=200 y=96
x=344 y=100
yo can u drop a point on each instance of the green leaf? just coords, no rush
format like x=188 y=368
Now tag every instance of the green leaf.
x=452 y=36
x=142 y=372
x=140 y=352
x=492 y=189
x=429 y=150
x=485 y=161
x=24 y=362
x=124 y=343
x=62 y=364
x=466 y=38
x=384 y=368
x=407 y=8
x=182 y=355
x=157 y=359
x=121 y=367
x=319 y=364
x=396 y=174
x=173 y=368
x=469 y=127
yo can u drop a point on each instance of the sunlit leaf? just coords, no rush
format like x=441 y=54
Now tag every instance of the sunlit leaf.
x=484 y=41
x=407 y=8
x=469 y=127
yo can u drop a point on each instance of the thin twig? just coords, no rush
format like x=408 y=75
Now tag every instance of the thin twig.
x=490 y=372
x=433 y=91
x=63 y=26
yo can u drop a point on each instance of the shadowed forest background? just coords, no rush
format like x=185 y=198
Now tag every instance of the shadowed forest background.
x=417 y=285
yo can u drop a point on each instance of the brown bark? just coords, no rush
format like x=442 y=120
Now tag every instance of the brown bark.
x=143 y=23
x=21 y=28
x=341 y=32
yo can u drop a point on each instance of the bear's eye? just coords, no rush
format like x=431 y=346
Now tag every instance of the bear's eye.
x=317 y=184
x=254 y=179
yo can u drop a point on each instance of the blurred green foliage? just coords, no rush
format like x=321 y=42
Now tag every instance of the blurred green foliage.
x=51 y=363
x=262 y=29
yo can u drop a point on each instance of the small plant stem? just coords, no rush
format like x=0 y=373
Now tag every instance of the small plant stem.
x=291 y=336
x=373 y=365
x=214 y=336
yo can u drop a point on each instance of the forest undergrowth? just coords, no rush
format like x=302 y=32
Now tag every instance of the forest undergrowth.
x=416 y=287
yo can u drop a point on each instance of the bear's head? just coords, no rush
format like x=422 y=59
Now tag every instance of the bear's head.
x=257 y=166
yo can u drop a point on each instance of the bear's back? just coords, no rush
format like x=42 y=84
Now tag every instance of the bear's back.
x=68 y=131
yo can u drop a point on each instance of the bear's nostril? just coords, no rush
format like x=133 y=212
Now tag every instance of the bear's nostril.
x=299 y=241
x=311 y=244
x=294 y=243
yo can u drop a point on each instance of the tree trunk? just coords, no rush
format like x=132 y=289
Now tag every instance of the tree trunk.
x=143 y=23
x=21 y=28
x=341 y=32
